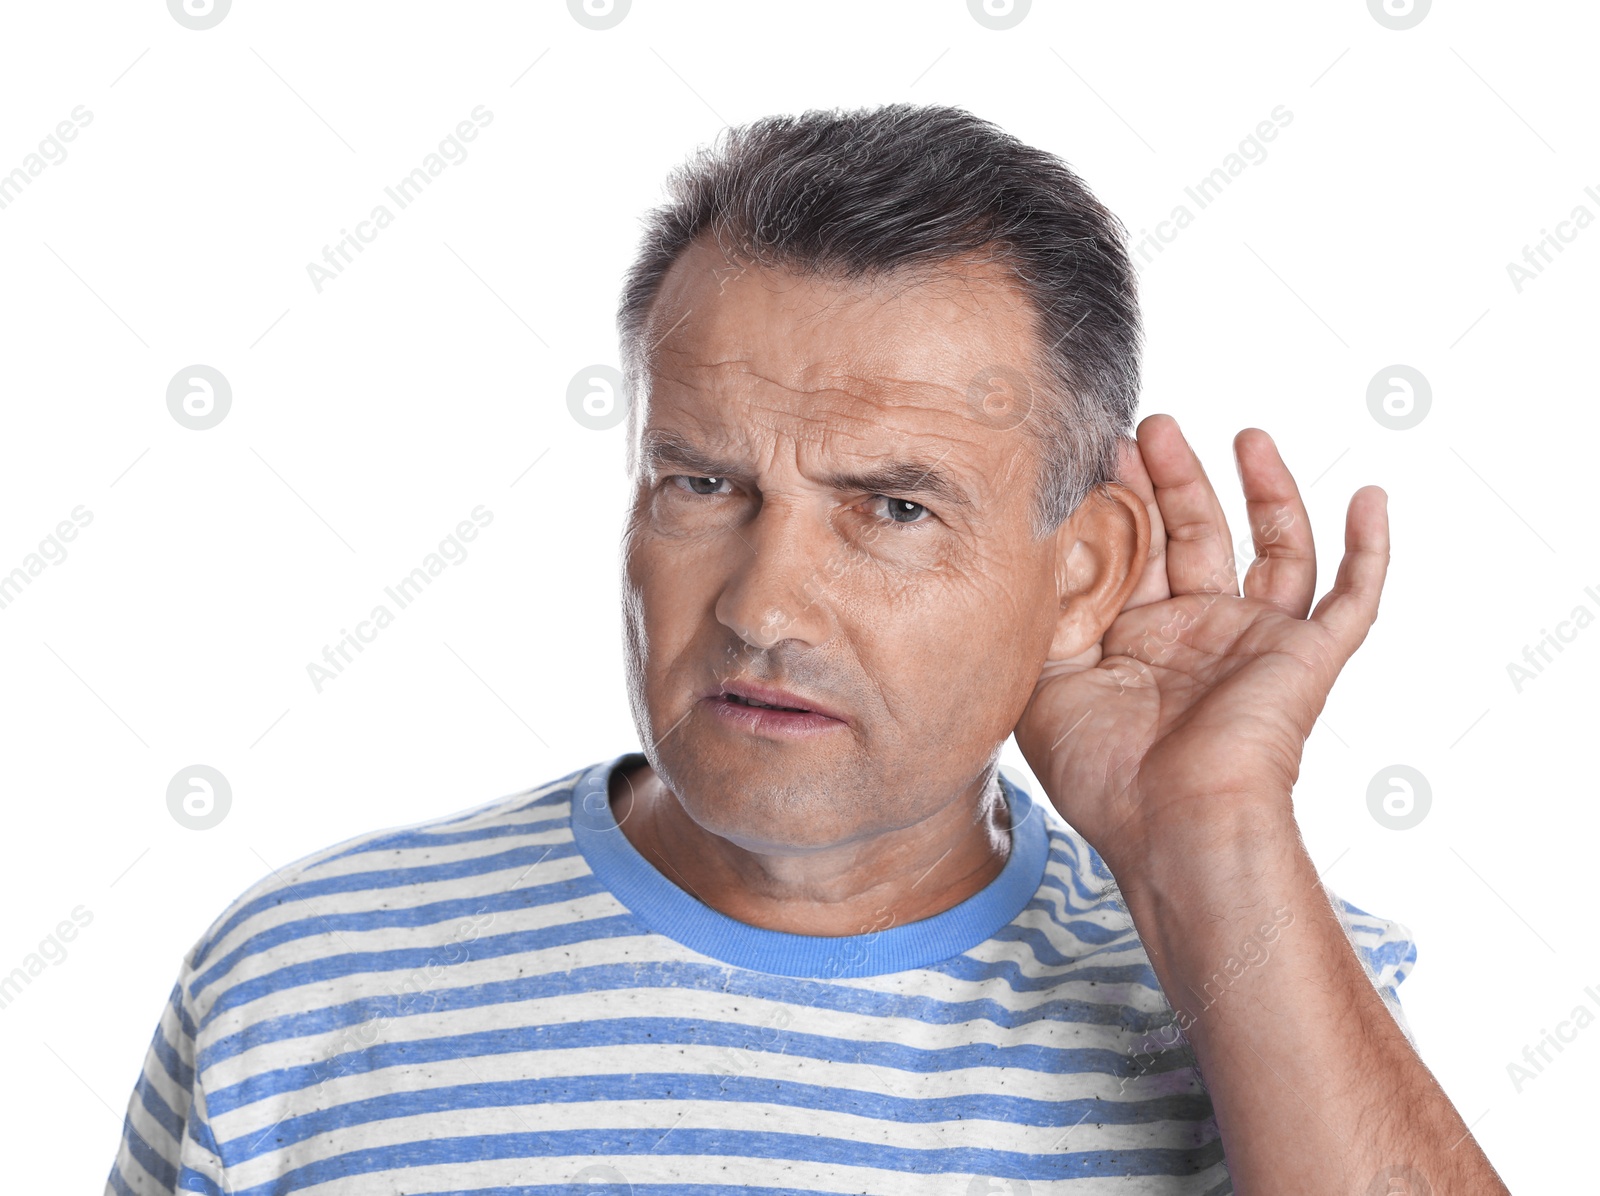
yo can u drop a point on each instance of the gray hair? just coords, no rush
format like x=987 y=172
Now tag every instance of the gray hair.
x=867 y=194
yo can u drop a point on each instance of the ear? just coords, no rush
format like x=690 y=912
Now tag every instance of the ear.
x=1101 y=551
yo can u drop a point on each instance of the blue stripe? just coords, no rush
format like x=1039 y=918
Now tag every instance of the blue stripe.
x=158 y=1108
x=200 y=1132
x=383 y=919
x=672 y=1031
x=1063 y=913
x=733 y=1089
x=704 y=977
x=1074 y=902
x=668 y=1189
x=416 y=959
x=1392 y=953
x=180 y=1006
x=171 y=1060
x=790 y=1147
x=301 y=889
x=1046 y=951
x=117 y=1184
x=1082 y=926
x=1068 y=877
x=964 y=967
x=1129 y=946
x=424 y=837
x=553 y=792
x=551 y=797
x=162 y=1171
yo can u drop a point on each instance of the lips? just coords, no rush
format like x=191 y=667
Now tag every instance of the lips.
x=758 y=696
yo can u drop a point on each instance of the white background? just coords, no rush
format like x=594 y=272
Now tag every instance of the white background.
x=431 y=376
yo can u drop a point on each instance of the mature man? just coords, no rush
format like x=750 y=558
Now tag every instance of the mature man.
x=886 y=513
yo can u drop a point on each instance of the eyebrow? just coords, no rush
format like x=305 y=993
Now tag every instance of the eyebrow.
x=663 y=449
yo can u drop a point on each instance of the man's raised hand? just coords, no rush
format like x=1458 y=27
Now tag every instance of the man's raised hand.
x=1191 y=714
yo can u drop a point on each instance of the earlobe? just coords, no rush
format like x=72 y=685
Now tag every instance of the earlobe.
x=1101 y=554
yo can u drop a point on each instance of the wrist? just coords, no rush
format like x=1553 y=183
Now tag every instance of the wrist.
x=1217 y=914
x=1207 y=845
x=1215 y=875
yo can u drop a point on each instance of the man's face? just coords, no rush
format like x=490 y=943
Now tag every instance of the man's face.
x=758 y=551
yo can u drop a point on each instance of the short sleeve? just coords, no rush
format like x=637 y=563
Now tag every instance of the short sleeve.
x=166 y=1144
x=1386 y=950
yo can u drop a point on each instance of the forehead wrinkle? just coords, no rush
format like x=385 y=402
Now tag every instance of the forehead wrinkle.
x=777 y=407
x=822 y=379
x=880 y=390
x=859 y=420
x=933 y=333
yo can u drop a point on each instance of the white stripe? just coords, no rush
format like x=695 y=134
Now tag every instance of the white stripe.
x=740 y=1173
x=660 y=1116
x=770 y=1063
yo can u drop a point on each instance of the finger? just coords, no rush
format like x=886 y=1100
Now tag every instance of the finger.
x=1284 y=571
x=1152 y=584
x=1350 y=607
x=1199 y=548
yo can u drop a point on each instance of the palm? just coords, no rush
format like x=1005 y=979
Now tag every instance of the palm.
x=1197 y=695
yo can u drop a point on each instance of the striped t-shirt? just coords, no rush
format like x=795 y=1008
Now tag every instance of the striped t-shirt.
x=513 y=1001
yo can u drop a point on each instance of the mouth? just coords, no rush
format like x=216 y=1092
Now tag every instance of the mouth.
x=764 y=701
x=766 y=705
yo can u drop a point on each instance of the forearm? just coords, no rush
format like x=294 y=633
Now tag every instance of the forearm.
x=1316 y=1089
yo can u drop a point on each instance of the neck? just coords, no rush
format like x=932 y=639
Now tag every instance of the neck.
x=858 y=887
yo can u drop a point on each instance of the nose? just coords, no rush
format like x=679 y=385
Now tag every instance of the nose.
x=780 y=587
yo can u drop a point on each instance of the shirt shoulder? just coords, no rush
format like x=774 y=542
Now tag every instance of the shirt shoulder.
x=340 y=900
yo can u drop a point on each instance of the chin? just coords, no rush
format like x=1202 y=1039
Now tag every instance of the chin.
x=758 y=800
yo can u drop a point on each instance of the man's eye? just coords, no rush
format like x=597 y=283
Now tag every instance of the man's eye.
x=902 y=510
x=693 y=485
